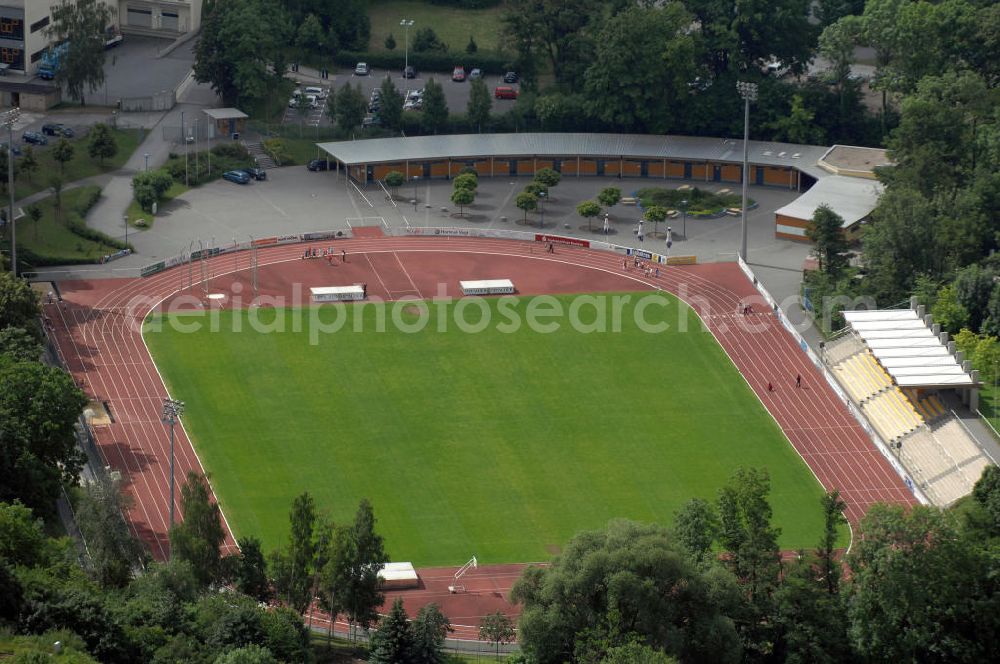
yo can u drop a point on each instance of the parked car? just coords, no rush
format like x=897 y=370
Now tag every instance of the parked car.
x=319 y=92
x=458 y=74
x=475 y=73
x=312 y=101
x=511 y=77
x=239 y=177
x=375 y=106
x=372 y=120
x=57 y=129
x=255 y=172
x=412 y=95
x=413 y=104
x=318 y=165
x=410 y=72
x=35 y=138
x=361 y=69
x=505 y=92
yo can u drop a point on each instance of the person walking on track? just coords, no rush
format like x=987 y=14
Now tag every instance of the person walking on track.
x=798 y=380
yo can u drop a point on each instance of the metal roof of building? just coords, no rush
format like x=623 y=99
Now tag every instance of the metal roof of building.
x=908 y=350
x=225 y=113
x=851 y=198
x=424 y=148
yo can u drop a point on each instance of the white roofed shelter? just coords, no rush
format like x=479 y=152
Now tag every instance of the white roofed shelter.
x=910 y=352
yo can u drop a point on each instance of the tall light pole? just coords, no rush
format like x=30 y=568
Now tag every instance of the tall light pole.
x=172 y=410
x=9 y=118
x=684 y=218
x=406 y=23
x=541 y=206
x=748 y=91
x=147 y=160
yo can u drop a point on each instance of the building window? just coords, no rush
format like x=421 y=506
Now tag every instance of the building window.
x=38 y=25
x=37 y=55
x=13 y=57
x=11 y=28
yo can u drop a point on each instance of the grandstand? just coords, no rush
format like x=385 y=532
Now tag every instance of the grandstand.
x=903 y=388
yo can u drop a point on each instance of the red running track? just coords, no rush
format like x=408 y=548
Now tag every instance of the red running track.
x=98 y=331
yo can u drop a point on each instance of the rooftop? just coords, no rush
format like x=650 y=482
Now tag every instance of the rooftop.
x=850 y=197
x=225 y=113
x=854 y=161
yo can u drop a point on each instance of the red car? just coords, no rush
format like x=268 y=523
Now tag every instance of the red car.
x=458 y=74
x=505 y=92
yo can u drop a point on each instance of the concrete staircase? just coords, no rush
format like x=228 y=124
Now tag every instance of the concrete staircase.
x=260 y=155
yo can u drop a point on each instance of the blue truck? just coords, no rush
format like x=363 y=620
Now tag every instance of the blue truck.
x=51 y=61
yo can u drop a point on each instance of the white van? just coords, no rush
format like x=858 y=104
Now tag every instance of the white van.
x=314 y=90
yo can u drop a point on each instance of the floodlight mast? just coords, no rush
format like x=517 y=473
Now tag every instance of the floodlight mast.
x=172 y=409
x=748 y=91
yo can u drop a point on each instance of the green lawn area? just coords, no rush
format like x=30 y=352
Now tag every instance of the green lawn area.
x=80 y=166
x=52 y=238
x=502 y=445
x=453 y=25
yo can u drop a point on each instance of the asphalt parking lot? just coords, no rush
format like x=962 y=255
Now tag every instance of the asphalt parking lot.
x=133 y=69
x=456 y=94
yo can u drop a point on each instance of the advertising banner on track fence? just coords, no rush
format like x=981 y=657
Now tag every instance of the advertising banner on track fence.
x=324 y=235
x=152 y=269
x=561 y=239
x=265 y=241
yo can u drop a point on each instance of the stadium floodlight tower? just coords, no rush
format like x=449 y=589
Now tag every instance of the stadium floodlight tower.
x=748 y=91
x=172 y=409
x=10 y=118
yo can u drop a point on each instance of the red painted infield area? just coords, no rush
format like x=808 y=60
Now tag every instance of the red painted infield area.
x=98 y=331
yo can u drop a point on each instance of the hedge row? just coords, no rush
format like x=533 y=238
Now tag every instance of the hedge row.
x=75 y=223
x=490 y=63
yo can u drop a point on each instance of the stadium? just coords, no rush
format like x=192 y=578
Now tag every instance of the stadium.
x=480 y=443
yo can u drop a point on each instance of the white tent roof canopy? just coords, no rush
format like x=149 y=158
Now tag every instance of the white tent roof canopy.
x=907 y=349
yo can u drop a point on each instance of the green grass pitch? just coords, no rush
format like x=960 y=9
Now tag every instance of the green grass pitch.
x=497 y=444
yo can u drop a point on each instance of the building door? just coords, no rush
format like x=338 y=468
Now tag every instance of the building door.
x=687 y=170
x=760 y=175
x=716 y=173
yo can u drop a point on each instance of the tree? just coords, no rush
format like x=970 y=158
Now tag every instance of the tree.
x=251 y=570
x=916 y=588
x=62 y=152
x=19 y=345
x=394 y=180
x=498 y=629
x=696 y=527
x=19 y=304
x=293 y=567
x=22 y=536
x=948 y=311
x=986 y=492
x=526 y=201
x=638 y=78
x=102 y=144
x=826 y=230
x=348 y=106
x=588 y=210
x=609 y=196
x=636 y=653
x=899 y=244
x=480 y=103
x=469 y=181
x=797 y=126
x=390 y=43
x=392 y=105
x=435 y=110
x=351 y=578
x=198 y=537
x=655 y=214
x=5 y=172
x=112 y=551
x=310 y=36
x=285 y=635
x=392 y=642
x=39 y=408
x=554 y=31
x=249 y=654
x=28 y=164
x=426 y=39
x=747 y=535
x=430 y=629
x=471 y=47
x=82 y=25
x=150 y=186
x=629 y=581
x=241 y=44
x=741 y=35
x=463 y=197
x=833 y=520
x=973 y=289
